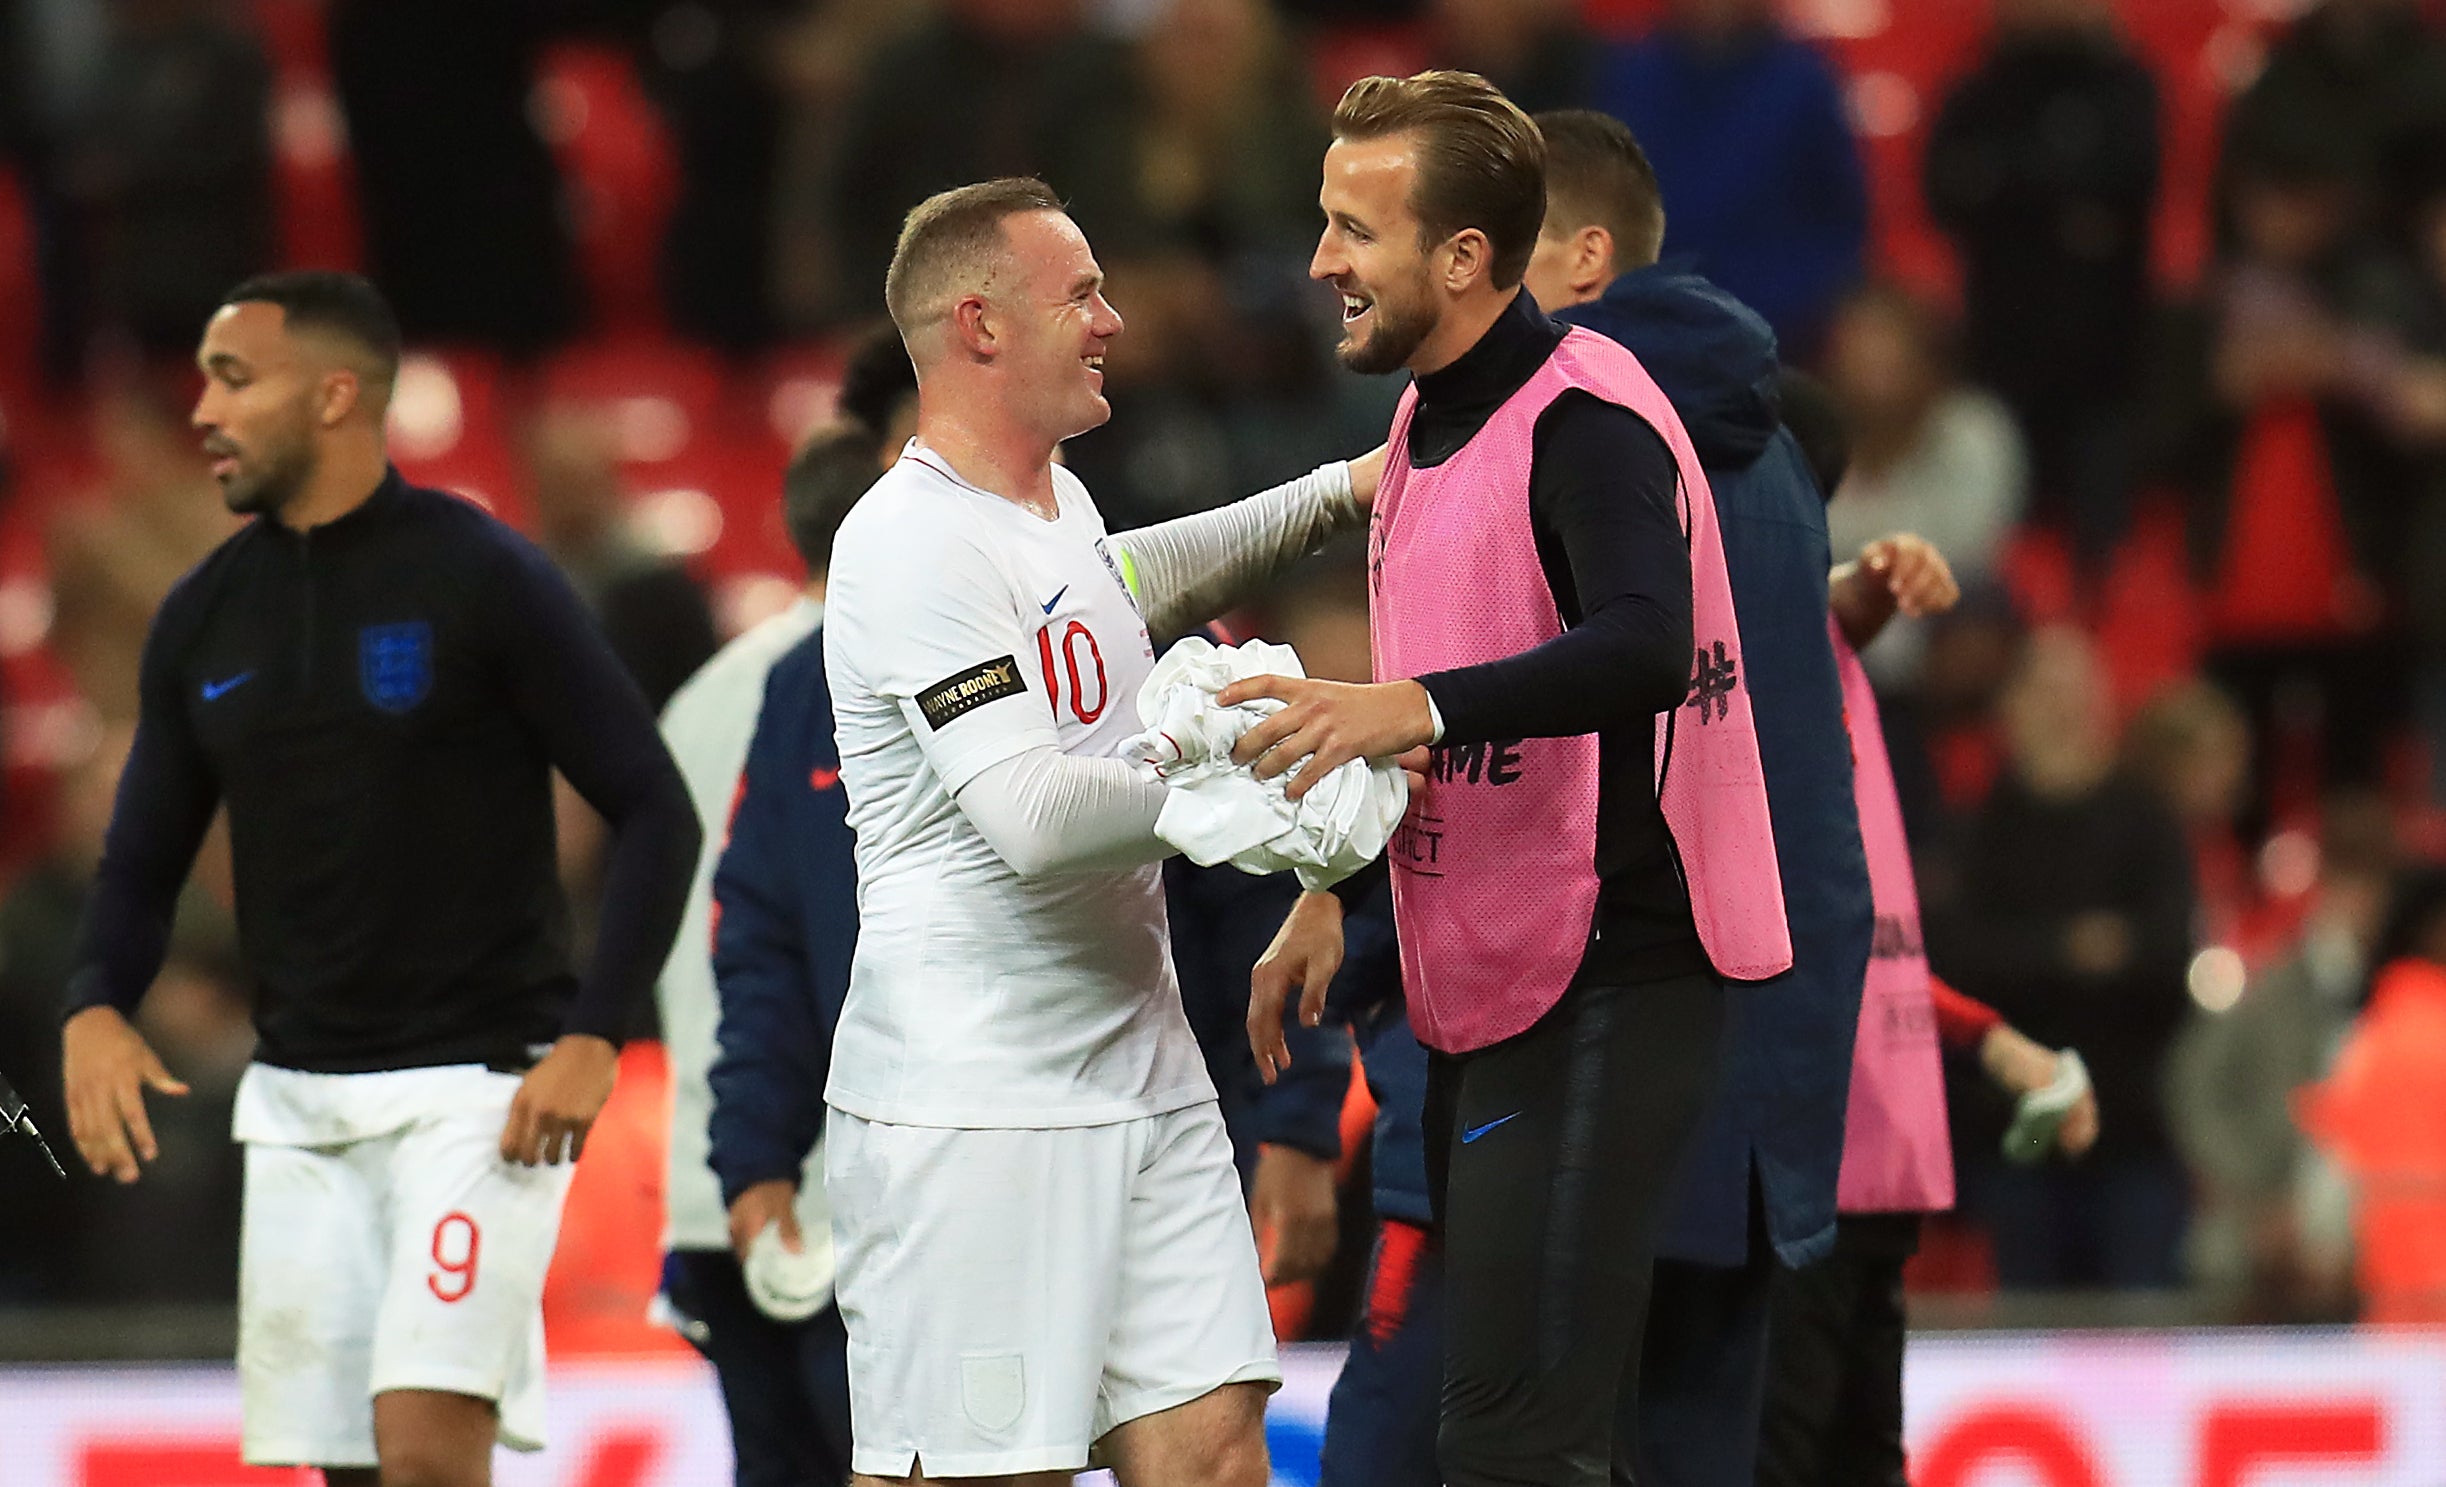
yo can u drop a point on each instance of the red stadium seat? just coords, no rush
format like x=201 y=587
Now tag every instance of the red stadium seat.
x=1343 y=55
x=617 y=174
x=315 y=195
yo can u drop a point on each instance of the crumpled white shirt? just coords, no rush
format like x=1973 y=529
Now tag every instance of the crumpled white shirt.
x=1217 y=811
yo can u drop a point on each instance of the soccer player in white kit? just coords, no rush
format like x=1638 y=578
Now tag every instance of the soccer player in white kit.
x=1042 y=1245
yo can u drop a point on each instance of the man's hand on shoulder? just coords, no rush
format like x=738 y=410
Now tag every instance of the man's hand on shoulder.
x=558 y=1101
x=106 y=1066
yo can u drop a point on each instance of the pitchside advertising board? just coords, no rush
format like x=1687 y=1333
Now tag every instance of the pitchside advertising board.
x=2233 y=1409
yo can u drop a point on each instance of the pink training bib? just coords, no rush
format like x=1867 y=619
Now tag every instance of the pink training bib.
x=1897 y=1157
x=1494 y=868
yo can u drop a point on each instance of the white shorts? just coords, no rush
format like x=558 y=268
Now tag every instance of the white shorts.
x=412 y=1259
x=1012 y=1295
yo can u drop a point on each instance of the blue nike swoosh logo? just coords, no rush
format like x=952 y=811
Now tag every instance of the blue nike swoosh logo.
x=213 y=690
x=1056 y=599
x=1474 y=1132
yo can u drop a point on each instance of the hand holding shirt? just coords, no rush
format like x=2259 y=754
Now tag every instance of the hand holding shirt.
x=1217 y=811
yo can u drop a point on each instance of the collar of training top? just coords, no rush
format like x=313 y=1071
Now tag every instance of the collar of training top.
x=1509 y=354
x=386 y=495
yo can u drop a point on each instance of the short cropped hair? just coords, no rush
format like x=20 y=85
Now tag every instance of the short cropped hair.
x=1597 y=176
x=1481 y=163
x=949 y=242
x=826 y=477
x=326 y=300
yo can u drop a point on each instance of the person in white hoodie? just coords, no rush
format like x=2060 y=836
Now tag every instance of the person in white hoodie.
x=784 y=1384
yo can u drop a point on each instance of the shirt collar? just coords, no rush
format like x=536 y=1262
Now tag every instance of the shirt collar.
x=1509 y=354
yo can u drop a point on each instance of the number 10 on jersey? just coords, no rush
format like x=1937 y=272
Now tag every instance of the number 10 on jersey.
x=1080 y=656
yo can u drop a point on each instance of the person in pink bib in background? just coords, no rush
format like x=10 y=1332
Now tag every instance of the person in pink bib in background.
x=1833 y=1408
x=1834 y=1361
x=1587 y=859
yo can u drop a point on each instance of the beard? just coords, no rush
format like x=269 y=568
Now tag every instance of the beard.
x=269 y=488
x=1396 y=335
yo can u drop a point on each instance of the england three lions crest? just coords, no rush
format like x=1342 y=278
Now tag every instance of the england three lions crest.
x=395 y=664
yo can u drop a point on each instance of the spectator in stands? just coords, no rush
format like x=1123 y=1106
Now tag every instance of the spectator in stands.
x=710 y=67
x=460 y=197
x=2355 y=72
x=2295 y=481
x=2270 y=1239
x=1536 y=51
x=2412 y=342
x=2380 y=1118
x=1225 y=138
x=49 y=64
x=651 y=610
x=1747 y=129
x=2069 y=912
x=1222 y=377
x=649 y=607
x=2192 y=744
x=93 y=1242
x=1942 y=732
x=2042 y=168
x=1352 y=12
x=982 y=88
x=114 y=554
x=820 y=56
x=179 y=164
x=38 y=1246
x=1929 y=455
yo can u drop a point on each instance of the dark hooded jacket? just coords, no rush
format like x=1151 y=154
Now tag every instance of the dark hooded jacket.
x=1777 y=1118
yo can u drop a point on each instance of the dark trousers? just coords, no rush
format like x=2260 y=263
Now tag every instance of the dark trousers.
x=1551 y=1156
x=2112 y=1221
x=1702 y=1375
x=1380 y=1424
x=1834 y=1373
x=785 y=1385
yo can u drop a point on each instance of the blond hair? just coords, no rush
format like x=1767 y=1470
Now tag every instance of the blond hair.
x=949 y=245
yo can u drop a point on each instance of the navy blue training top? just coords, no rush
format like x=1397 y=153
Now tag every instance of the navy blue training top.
x=785 y=894
x=380 y=702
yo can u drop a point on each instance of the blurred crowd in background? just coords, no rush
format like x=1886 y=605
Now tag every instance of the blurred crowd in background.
x=2137 y=311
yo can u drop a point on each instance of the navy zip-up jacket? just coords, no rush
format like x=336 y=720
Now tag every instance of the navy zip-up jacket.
x=785 y=897
x=1780 y=1102
x=380 y=703
x=1366 y=993
x=1222 y=920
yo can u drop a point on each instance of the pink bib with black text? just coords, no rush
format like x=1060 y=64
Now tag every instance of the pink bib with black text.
x=1494 y=869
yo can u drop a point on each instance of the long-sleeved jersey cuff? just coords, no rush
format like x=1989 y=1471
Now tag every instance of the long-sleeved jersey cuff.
x=590 y=1017
x=740 y=1171
x=90 y=988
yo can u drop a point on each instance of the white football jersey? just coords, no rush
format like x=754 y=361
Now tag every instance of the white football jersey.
x=961 y=630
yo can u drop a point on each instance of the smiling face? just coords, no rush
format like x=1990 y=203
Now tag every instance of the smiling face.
x=1372 y=255
x=259 y=413
x=1052 y=325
